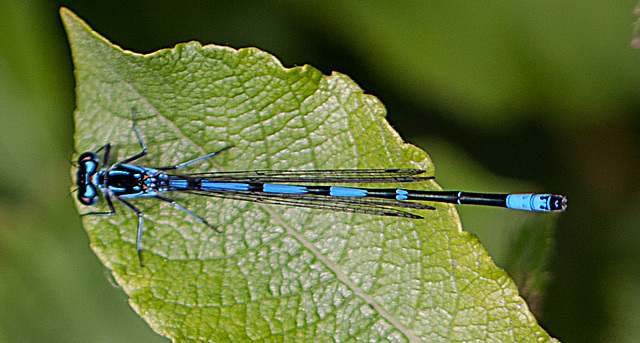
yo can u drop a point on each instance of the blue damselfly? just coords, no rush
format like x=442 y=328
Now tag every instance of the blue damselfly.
x=124 y=181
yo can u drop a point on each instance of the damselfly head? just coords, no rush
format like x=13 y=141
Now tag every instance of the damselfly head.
x=87 y=166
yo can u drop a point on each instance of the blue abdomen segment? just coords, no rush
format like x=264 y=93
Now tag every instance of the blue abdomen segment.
x=182 y=184
x=223 y=186
x=529 y=202
x=287 y=189
x=347 y=192
x=401 y=194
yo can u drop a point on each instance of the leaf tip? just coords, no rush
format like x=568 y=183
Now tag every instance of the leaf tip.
x=66 y=14
x=70 y=19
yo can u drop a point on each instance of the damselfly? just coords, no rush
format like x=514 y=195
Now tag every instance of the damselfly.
x=124 y=180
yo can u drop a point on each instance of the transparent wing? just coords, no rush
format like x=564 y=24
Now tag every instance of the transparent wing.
x=381 y=207
x=318 y=176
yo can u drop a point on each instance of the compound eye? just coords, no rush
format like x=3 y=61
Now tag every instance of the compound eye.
x=88 y=156
x=87 y=195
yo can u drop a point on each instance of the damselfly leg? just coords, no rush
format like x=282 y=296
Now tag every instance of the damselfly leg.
x=123 y=181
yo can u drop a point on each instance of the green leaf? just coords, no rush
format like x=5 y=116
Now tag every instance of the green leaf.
x=276 y=273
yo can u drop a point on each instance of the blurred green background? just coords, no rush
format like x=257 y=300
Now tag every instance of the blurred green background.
x=522 y=96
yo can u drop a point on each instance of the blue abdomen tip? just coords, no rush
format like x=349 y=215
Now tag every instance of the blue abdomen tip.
x=529 y=202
